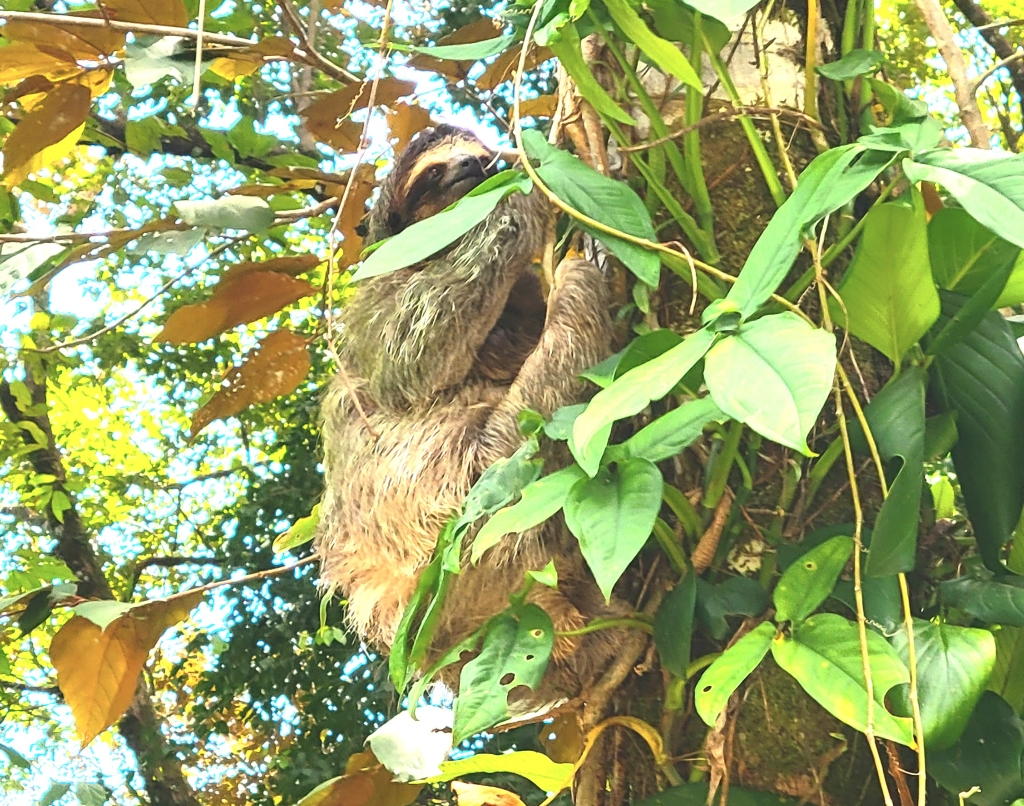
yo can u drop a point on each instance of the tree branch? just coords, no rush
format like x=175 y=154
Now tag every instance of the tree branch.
x=942 y=32
x=980 y=19
x=141 y=564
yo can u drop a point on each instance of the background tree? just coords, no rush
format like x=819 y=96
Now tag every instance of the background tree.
x=182 y=186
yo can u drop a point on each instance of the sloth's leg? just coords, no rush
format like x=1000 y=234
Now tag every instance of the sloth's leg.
x=577 y=334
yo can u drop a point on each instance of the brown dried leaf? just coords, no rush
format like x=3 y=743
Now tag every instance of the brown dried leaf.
x=274 y=367
x=365 y=783
x=484 y=28
x=98 y=669
x=351 y=216
x=237 y=301
x=476 y=795
x=328 y=119
x=265 y=191
x=502 y=68
x=291 y=265
x=87 y=44
x=152 y=12
x=64 y=110
x=540 y=107
x=21 y=60
x=405 y=120
x=33 y=85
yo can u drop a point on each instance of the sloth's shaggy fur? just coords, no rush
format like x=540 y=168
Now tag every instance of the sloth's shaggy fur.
x=443 y=357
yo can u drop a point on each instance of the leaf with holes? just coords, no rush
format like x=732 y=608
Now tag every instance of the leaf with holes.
x=824 y=656
x=274 y=367
x=98 y=666
x=729 y=670
x=808 y=582
x=774 y=375
x=612 y=515
x=515 y=653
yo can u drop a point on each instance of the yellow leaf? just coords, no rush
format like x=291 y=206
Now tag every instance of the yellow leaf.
x=563 y=739
x=21 y=60
x=234 y=68
x=476 y=795
x=60 y=115
x=273 y=368
x=87 y=44
x=153 y=12
x=365 y=783
x=540 y=107
x=98 y=668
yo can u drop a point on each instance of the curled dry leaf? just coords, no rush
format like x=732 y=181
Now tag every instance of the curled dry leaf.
x=274 y=367
x=365 y=783
x=61 y=114
x=476 y=795
x=478 y=31
x=151 y=12
x=542 y=106
x=405 y=120
x=98 y=668
x=329 y=118
x=501 y=69
x=245 y=293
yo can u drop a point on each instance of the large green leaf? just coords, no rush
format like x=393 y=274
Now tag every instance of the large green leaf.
x=567 y=48
x=982 y=379
x=601 y=198
x=673 y=432
x=470 y=51
x=774 y=375
x=730 y=669
x=953 y=667
x=739 y=596
x=424 y=238
x=829 y=182
x=673 y=625
x=612 y=515
x=540 y=500
x=996 y=601
x=988 y=184
x=660 y=51
x=675 y=20
x=632 y=392
x=809 y=581
x=724 y=10
x=896 y=417
x=227 y=212
x=964 y=254
x=889 y=297
x=515 y=653
x=857 y=62
x=639 y=351
x=988 y=755
x=824 y=655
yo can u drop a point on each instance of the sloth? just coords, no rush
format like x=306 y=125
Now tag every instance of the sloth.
x=438 y=361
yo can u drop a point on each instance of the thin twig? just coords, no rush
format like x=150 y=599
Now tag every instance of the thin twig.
x=310 y=53
x=198 y=70
x=996 y=67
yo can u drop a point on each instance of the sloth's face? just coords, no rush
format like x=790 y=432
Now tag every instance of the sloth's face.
x=443 y=174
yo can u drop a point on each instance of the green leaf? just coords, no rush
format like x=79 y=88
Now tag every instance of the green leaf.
x=18 y=261
x=964 y=253
x=896 y=417
x=724 y=10
x=982 y=379
x=988 y=184
x=471 y=51
x=996 y=601
x=91 y=794
x=858 y=62
x=633 y=392
x=567 y=49
x=639 y=351
x=953 y=668
x=299 y=533
x=227 y=212
x=824 y=656
x=740 y=596
x=601 y=198
x=54 y=793
x=673 y=432
x=427 y=237
x=515 y=653
x=675 y=21
x=41 y=604
x=809 y=581
x=940 y=435
x=660 y=51
x=774 y=375
x=612 y=515
x=729 y=670
x=535 y=767
x=988 y=755
x=888 y=292
x=673 y=625
x=540 y=500
x=829 y=182
x=16 y=758
x=173 y=242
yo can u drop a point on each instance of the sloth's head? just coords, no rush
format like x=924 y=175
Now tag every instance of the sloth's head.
x=436 y=169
